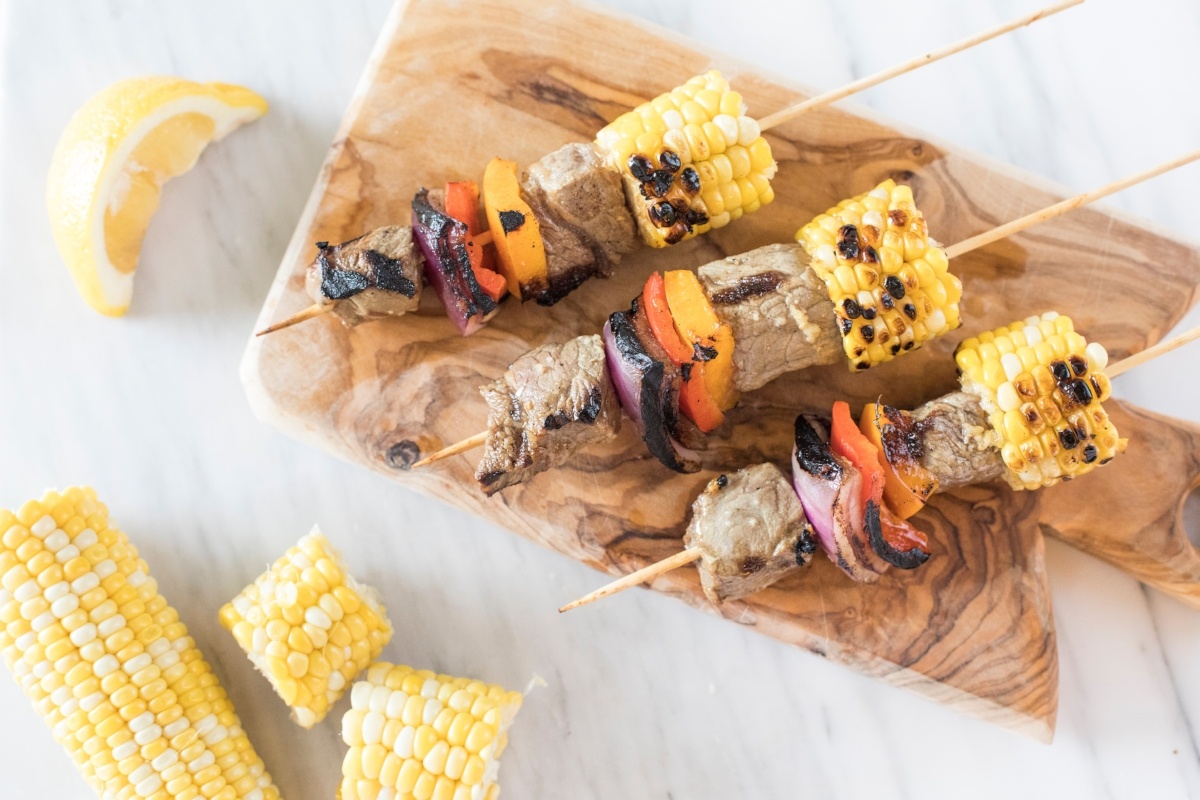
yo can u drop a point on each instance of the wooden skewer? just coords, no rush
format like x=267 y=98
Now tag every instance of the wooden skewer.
x=690 y=554
x=1060 y=208
x=1151 y=353
x=861 y=84
x=298 y=317
x=644 y=574
x=469 y=443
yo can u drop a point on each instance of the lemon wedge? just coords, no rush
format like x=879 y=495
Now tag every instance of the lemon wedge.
x=111 y=162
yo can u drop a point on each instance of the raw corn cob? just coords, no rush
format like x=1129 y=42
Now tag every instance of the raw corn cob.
x=308 y=627
x=691 y=160
x=109 y=665
x=1042 y=386
x=416 y=734
x=888 y=280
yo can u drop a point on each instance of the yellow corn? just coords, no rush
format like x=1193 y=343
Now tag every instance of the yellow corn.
x=888 y=280
x=413 y=733
x=1044 y=402
x=691 y=159
x=309 y=627
x=108 y=664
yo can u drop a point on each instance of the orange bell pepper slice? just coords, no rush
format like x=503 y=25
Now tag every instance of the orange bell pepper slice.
x=658 y=315
x=516 y=233
x=907 y=485
x=694 y=399
x=699 y=326
x=462 y=204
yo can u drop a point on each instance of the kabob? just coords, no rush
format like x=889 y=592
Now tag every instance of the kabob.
x=687 y=162
x=864 y=284
x=1029 y=411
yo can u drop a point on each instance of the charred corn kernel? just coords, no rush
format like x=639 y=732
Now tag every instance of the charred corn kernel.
x=667 y=150
x=1043 y=402
x=399 y=749
x=305 y=597
x=884 y=231
x=107 y=663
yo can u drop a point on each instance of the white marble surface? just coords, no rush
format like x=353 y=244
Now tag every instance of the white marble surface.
x=647 y=699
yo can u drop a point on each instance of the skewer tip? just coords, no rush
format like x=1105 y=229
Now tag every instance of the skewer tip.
x=470 y=443
x=300 y=316
x=685 y=556
x=1151 y=353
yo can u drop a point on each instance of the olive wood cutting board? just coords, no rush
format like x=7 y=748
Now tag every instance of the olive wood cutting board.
x=446 y=91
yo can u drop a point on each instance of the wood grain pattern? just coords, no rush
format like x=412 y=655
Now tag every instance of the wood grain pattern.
x=447 y=91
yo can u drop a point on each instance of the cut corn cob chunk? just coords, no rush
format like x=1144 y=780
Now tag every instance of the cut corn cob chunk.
x=413 y=733
x=309 y=627
x=1042 y=386
x=888 y=280
x=108 y=663
x=691 y=160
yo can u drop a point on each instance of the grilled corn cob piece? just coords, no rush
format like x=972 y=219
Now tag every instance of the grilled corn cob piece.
x=888 y=280
x=691 y=159
x=308 y=627
x=413 y=733
x=1042 y=386
x=109 y=665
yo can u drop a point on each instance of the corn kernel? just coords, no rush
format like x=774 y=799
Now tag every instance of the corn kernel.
x=714 y=137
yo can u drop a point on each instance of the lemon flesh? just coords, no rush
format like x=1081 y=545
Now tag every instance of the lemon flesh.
x=110 y=165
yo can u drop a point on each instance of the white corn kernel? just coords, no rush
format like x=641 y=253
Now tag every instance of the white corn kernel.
x=748 y=131
x=728 y=125
x=1097 y=356
x=1012 y=366
x=1007 y=398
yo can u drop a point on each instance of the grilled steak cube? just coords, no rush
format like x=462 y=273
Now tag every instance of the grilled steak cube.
x=580 y=205
x=779 y=310
x=552 y=401
x=750 y=529
x=957 y=441
x=378 y=274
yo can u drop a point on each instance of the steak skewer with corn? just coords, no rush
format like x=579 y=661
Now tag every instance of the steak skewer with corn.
x=675 y=167
x=863 y=284
x=1029 y=412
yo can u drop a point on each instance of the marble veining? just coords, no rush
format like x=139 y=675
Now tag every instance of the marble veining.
x=646 y=698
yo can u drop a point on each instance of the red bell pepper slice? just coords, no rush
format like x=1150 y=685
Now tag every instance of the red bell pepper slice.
x=900 y=533
x=658 y=315
x=462 y=204
x=849 y=442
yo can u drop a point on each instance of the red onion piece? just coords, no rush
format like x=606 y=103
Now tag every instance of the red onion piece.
x=830 y=489
x=442 y=240
x=640 y=383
